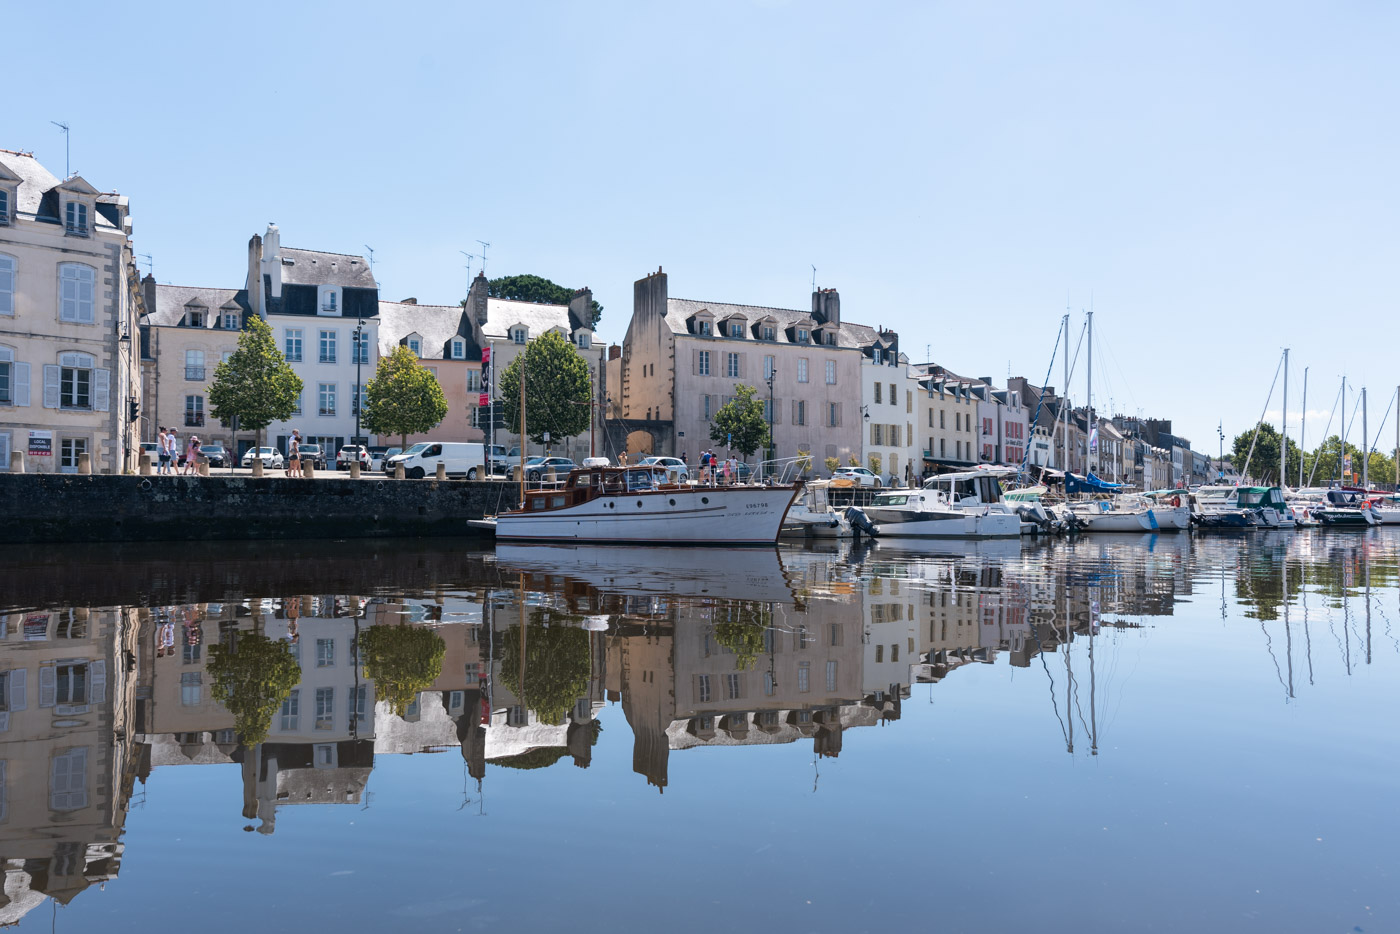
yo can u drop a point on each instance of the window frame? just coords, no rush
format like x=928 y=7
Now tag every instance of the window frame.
x=80 y=276
x=288 y=336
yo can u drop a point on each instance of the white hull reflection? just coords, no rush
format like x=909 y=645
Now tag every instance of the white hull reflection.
x=748 y=574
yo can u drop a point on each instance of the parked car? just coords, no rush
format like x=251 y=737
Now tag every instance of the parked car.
x=379 y=453
x=537 y=468
x=672 y=464
x=216 y=454
x=351 y=453
x=315 y=454
x=858 y=476
x=459 y=458
x=270 y=457
x=152 y=450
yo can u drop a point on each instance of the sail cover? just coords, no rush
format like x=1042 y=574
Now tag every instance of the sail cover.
x=1090 y=484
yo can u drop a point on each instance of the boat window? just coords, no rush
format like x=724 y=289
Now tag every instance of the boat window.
x=537 y=502
x=638 y=480
x=556 y=501
x=1249 y=499
x=891 y=499
x=964 y=488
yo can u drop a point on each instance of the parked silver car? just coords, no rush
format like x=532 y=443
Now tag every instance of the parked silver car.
x=271 y=457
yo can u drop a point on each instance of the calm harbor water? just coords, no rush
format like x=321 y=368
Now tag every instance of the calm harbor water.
x=1118 y=733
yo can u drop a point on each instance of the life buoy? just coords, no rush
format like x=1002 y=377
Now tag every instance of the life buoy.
x=1176 y=500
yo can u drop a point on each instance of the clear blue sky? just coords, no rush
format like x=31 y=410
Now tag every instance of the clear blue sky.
x=1220 y=180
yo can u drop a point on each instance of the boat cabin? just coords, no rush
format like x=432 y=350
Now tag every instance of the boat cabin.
x=1261 y=497
x=967 y=488
x=592 y=482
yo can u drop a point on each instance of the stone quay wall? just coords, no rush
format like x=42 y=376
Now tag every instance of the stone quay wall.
x=103 y=508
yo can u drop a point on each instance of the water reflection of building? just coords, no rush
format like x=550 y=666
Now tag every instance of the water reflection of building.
x=66 y=770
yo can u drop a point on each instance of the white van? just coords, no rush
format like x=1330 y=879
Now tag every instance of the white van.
x=461 y=459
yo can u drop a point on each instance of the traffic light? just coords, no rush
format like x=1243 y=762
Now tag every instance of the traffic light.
x=133 y=409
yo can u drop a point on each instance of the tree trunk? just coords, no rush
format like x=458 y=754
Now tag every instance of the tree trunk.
x=403 y=443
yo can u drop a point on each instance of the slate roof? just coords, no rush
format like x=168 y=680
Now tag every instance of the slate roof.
x=850 y=335
x=37 y=195
x=501 y=313
x=312 y=267
x=172 y=299
x=436 y=324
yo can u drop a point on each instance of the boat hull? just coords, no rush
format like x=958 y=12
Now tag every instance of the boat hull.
x=745 y=515
x=1145 y=521
x=893 y=523
x=1346 y=518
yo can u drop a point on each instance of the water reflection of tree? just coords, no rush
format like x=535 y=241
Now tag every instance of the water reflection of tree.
x=252 y=678
x=1336 y=573
x=402 y=661
x=742 y=631
x=556 y=666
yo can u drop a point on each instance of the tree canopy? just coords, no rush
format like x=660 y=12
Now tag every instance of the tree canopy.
x=739 y=424
x=255 y=384
x=558 y=389
x=251 y=680
x=556 y=665
x=528 y=288
x=1322 y=464
x=401 y=661
x=403 y=398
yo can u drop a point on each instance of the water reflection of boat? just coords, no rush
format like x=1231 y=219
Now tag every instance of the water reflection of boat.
x=980 y=548
x=750 y=574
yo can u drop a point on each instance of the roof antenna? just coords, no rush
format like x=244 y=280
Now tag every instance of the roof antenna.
x=371 y=260
x=150 y=264
x=470 y=257
x=484 y=245
x=814 y=277
x=66 y=161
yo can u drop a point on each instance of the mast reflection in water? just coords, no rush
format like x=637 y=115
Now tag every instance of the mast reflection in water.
x=298 y=680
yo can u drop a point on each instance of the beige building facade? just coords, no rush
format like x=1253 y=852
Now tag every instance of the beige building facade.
x=69 y=305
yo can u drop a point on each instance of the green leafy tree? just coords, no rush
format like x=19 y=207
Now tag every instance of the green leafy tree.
x=874 y=463
x=804 y=462
x=255 y=384
x=556 y=665
x=529 y=288
x=403 y=398
x=831 y=464
x=401 y=661
x=558 y=389
x=1326 y=463
x=1263 y=466
x=739 y=424
x=251 y=679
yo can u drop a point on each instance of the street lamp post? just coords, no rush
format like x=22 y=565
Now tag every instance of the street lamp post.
x=359 y=392
x=772 y=447
x=1220 y=462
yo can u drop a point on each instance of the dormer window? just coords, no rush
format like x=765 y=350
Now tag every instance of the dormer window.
x=4 y=206
x=585 y=341
x=76 y=218
x=194 y=317
x=803 y=335
x=769 y=333
x=415 y=344
x=877 y=355
x=704 y=328
x=459 y=349
x=830 y=339
x=518 y=335
x=735 y=329
x=229 y=321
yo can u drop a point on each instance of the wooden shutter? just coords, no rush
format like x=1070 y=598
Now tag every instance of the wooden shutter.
x=48 y=686
x=52 y=377
x=19 y=694
x=21 y=381
x=101 y=390
x=97 y=675
x=743 y=366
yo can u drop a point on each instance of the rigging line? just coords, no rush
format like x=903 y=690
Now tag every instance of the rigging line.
x=1318 y=450
x=1054 y=700
x=1346 y=430
x=1388 y=406
x=1114 y=358
x=1072 y=364
x=1269 y=645
x=1277 y=370
x=1040 y=403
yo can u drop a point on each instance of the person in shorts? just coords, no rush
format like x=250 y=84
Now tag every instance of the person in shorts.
x=294 y=455
x=162 y=452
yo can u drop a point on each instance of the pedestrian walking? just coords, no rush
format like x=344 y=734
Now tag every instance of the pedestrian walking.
x=172 y=447
x=162 y=452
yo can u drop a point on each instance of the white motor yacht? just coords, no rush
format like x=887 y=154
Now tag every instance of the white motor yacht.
x=811 y=516
x=952 y=505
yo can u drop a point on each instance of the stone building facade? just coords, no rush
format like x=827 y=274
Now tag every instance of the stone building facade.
x=70 y=386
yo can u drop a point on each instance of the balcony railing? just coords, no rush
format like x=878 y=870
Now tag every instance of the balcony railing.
x=194 y=372
x=327 y=410
x=326 y=358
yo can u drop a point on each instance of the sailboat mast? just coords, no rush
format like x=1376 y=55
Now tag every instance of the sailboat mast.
x=1396 y=455
x=1283 y=428
x=1088 y=453
x=1064 y=406
x=1302 y=427
x=1365 y=445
